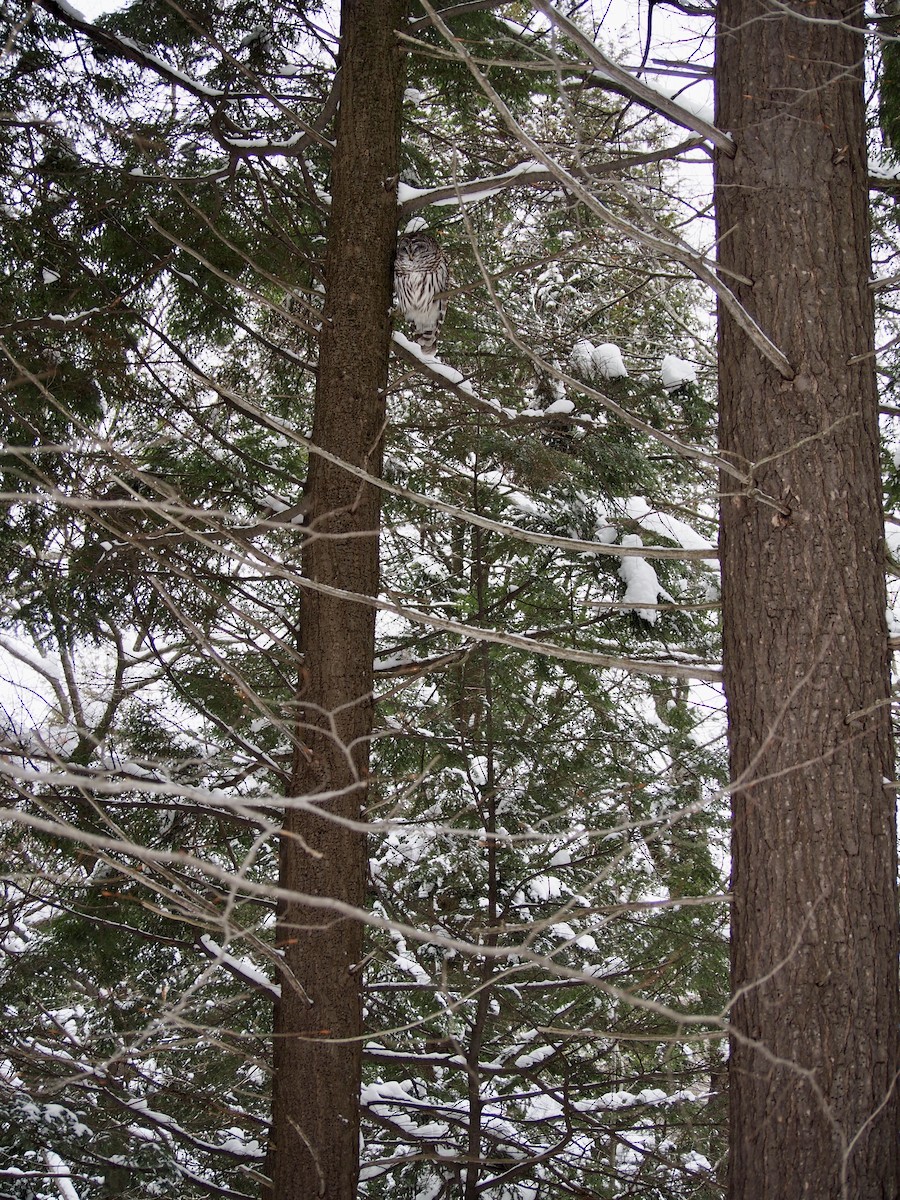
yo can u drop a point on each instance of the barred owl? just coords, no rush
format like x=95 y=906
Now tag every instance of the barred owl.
x=421 y=275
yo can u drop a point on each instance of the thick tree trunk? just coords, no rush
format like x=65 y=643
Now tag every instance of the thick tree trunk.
x=314 y=1148
x=814 y=1053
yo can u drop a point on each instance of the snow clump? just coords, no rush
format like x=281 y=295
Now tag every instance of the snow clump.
x=642 y=585
x=589 y=362
x=675 y=371
x=608 y=362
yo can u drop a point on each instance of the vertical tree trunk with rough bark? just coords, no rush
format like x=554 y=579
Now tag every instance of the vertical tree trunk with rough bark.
x=314 y=1149
x=814 y=1052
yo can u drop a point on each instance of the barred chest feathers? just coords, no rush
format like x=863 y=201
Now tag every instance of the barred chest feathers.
x=421 y=278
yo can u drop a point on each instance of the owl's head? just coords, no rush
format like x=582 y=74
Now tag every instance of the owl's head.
x=417 y=251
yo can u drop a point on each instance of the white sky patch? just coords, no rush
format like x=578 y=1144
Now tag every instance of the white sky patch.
x=27 y=654
x=677 y=39
x=27 y=697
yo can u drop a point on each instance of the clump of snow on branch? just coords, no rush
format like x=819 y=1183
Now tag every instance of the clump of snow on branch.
x=243 y=968
x=406 y=192
x=258 y=34
x=551 y=289
x=892 y=537
x=641 y=583
x=460 y=381
x=581 y=360
x=608 y=362
x=590 y=362
x=563 y=405
x=675 y=371
x=554 y=388
x=696 y=98
x=637 y=509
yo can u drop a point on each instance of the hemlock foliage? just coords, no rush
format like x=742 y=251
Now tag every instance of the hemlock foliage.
x=534 y=989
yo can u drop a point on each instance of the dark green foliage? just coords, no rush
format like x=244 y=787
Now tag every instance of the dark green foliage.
x=889 y=75
x=154 y=492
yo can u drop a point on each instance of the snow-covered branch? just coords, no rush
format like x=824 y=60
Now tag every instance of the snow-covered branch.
x=124 y=47
x=620 y=80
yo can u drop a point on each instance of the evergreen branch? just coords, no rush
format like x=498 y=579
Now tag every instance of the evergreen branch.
x=123 y=47
x=670 y=247
x=533 y=175
x=618 y=79
x=238 y=883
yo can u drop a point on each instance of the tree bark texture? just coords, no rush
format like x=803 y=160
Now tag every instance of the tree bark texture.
x=814 y=1051
x=314 y=1149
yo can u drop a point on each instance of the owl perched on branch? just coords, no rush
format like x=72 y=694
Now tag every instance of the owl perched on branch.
x=421 y=278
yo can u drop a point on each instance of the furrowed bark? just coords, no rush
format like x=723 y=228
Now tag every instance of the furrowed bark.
x=314 y=1149
x=814 y=1053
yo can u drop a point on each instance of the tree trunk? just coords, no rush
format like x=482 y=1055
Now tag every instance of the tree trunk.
x=314 y=1149
x=814 y=1051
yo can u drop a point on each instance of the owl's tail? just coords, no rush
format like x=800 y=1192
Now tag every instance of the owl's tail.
x=427 y=338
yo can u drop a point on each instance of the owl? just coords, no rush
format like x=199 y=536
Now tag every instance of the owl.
x=421 y=278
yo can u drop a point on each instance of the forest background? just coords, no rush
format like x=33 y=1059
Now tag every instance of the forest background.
x=401 y=865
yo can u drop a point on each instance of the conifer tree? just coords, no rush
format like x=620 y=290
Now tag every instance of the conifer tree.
x=540 y=941
x=814 y=933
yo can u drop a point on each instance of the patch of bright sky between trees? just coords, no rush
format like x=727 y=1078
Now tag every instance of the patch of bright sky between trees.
x=680 y=46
